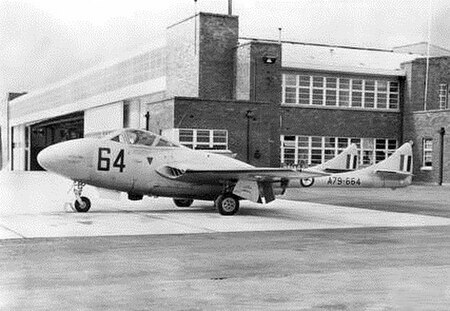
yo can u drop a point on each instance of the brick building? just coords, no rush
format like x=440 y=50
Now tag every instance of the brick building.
x=426 y=121
x=272 y=103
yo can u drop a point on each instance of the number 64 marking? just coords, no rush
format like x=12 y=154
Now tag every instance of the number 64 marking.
x=104 y=161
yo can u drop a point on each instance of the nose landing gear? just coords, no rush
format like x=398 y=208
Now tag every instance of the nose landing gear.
x=82 y=204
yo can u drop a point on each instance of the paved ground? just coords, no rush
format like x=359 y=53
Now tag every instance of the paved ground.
x=366 y=251
x=422 y=200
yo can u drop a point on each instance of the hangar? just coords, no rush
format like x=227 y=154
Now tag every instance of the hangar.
x=271 y=102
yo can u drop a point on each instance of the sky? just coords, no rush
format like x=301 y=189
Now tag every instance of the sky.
x=44 y=41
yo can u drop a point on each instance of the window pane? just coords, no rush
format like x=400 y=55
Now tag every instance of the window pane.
x=393 y=101
x=370 y=85
x=392 y=144
x=316 y=142
x=303 y=141
x=330 y=98
x=317 y=97
x=379 y=156
x=303 y=157
x=357 y=84
x=186 y=135
x=381 y=101
x=367 y=157
x=290 y=80
x=393 y=87
x=330 y=142
x=344 y=84
x=317 y=81
x=303 y=95
x=289 y=141
x=342 y=143
x=356 y=99
x=382 y=86
x=305 y=81
x=369 y=100
x=316 y=156
x=344 y=98
x=289 y=156
x=289 y=95
x=203 y=136
x=380 y=144
x=331 y=83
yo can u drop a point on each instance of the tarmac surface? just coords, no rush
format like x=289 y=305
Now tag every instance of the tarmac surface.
x=372 y=249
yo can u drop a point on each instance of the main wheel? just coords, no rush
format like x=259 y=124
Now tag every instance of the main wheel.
x=183 y=202
x=228 y=204
x=84 y=207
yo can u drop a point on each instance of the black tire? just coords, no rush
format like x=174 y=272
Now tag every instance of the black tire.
x=183 y=202
x=83 y=208
x=227 y=204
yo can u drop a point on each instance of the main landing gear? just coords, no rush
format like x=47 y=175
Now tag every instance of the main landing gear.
x=183 y=202
x=82 y=204
x=227 y=204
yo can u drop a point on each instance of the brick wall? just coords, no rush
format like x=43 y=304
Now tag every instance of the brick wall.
x=420 y=124
x=218 y=40
x=340 y=123
x=438 y=72
x=265 y=80
x=231 y=115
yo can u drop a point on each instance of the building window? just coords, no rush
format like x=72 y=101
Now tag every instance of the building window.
x=204 y=139
x=393 y=95
x=340 y=92
x=303 y=151
x=443 y=94
x=427 y=155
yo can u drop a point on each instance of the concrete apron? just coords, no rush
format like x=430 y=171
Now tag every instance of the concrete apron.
x=39 y=205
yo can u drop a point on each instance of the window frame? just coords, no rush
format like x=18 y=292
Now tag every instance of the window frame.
x=331 y=147
x=209 y=141
x=443 y=96
x=340 y=92
x=427 y=152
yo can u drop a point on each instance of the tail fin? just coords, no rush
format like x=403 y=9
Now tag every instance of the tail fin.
x=399 y=165
x=346 y=161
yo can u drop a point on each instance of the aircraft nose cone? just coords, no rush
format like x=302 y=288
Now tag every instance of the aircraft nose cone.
x=48 y=157
x=68 y=158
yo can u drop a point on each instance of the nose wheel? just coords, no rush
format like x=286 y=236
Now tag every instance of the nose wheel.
x=82 y=204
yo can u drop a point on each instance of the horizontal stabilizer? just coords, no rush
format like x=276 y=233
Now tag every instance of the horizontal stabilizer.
x=393 y=174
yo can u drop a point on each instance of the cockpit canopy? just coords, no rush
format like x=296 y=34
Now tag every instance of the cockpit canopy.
x=140 y=138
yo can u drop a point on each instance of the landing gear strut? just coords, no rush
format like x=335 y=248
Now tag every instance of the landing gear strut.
x=82 y=204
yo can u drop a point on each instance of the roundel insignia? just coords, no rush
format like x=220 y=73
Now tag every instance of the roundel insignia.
x=307 y=182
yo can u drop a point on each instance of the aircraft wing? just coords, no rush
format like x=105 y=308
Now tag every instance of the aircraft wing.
x=221 y=175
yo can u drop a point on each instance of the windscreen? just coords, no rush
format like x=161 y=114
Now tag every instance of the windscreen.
x=135 y=137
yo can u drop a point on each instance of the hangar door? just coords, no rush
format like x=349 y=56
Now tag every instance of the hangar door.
x=53 y=131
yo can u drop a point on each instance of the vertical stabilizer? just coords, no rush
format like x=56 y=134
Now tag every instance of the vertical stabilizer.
x=346 y=161
x=400 y=162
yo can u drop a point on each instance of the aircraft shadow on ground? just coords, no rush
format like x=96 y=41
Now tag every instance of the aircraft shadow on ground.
x=266 y=212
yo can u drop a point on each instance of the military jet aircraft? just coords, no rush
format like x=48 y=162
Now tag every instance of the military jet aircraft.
x=142 y=163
